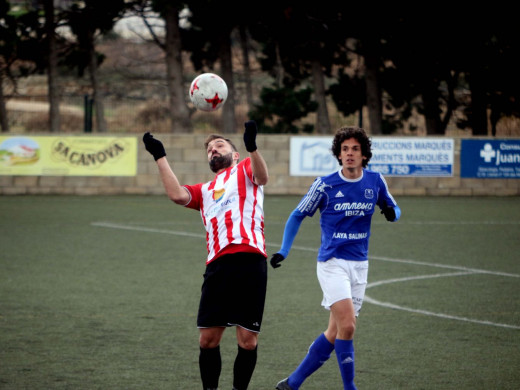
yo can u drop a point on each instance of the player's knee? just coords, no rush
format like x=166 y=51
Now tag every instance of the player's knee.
x=346 y=331
x=249 y=345
x=247 y=341
x=209 y=340
x=208 y=343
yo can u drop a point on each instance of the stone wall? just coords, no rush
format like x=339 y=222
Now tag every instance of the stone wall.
x=188 y=159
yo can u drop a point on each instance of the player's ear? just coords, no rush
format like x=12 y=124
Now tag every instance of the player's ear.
x=236 y=156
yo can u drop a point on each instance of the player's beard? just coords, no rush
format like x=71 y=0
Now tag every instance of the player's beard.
x=221 y=162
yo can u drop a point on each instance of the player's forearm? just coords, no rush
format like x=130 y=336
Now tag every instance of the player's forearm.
x=291 y=230
x=259 y=167
x=174 y=190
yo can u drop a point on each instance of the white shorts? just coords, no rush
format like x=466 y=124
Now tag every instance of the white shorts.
x=342 y=279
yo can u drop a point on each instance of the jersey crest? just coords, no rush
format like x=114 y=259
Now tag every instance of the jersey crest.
x=218 y=194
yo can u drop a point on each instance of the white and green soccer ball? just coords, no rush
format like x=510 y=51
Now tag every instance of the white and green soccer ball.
x=208 y=92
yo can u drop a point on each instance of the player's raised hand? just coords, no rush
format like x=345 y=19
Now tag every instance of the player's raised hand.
x=276 y=259
x=250 y=136
x=389 y=213
x=154 y=146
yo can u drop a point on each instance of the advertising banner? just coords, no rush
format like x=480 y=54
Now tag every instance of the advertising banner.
x=491 y=159
x=392 y=156
x=68 y=156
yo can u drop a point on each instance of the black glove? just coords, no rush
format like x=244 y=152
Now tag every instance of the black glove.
x=154 y=146
x=276 y=259
x=250 y=136
x=389 y=213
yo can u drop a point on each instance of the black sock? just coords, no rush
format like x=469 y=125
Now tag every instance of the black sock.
x=210 y=365
x=245 y=363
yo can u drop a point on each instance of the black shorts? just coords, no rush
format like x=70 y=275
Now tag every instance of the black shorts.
x=233 y=292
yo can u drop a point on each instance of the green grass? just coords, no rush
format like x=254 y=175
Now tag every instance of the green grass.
x=102 y=293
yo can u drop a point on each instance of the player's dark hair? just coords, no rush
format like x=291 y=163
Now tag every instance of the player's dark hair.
x=212 y=137
x=357 y=133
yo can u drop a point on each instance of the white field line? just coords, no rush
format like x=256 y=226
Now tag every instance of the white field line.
x=418 y=277
x=451 y=222
x=455 y=267
x=463 y=271
x=145 y=229
x=429 y=313
x=439 y=315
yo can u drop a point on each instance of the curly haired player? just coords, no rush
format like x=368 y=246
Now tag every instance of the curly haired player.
x=347 y=200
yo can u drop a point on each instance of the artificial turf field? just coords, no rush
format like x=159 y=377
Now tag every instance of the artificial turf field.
x=102 y=293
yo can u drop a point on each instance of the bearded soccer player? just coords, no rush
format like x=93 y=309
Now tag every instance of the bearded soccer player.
x=235 y=281
x=347 y=200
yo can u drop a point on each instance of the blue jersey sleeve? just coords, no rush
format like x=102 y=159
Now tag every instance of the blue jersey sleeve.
x=386 y=199
x=291 y=229
x=313 y=199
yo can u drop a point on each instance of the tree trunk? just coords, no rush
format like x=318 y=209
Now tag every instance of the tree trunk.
x=478 y=113
x=4 y=123
x=278 y=67
x=452 y=102
x=430 y=98
x=374 y=94
x=52 y=75
x=244 y=42
x=96 y=93
x=226 y=64
x=322 y=118
x=179 y=110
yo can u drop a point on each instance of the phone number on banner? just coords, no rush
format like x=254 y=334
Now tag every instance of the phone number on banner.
x=412 y=169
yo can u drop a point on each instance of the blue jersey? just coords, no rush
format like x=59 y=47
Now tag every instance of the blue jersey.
x=346 y=207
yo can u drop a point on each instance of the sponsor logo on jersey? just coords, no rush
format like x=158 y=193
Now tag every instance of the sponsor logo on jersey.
x=353 y=206
x=218 y=194
x=353 y=209
x=340 y=194
x=220 y=207
x=350 y=236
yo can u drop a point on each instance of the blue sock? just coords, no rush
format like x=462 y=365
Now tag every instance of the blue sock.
x=345 y=355
x=318 y=353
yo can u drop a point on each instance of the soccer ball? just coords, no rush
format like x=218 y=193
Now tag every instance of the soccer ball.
x=208 y=92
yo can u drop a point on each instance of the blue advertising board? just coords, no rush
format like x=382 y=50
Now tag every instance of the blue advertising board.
x=491 y=159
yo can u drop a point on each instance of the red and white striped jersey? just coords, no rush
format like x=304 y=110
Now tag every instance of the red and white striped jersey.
x=231 y=207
